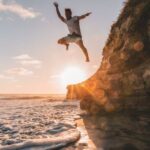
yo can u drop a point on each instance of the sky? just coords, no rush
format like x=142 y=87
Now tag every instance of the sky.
x=31 y=61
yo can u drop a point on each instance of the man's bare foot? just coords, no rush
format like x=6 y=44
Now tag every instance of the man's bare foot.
x=87 y=60
x=67 y=46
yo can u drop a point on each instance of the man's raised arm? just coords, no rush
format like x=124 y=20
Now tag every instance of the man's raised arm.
x=58 y=12
x=84 y=16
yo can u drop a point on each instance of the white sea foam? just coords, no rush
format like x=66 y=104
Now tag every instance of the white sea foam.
x=37 y=124
x=50 y=143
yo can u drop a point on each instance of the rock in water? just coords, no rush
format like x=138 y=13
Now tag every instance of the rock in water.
x=123 y=79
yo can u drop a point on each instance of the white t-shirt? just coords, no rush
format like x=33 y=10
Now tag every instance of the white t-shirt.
x=73 y=25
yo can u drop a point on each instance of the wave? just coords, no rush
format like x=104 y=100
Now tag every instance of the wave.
x=63 y=140
x=31 y=96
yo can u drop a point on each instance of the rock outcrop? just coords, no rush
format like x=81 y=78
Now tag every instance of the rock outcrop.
x=123 y=79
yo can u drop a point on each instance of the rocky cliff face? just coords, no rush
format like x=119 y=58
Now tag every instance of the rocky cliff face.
x=123 y=79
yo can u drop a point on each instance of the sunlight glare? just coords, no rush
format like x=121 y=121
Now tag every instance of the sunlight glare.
x=73 y=75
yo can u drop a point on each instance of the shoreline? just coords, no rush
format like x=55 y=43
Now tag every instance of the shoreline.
x=37 y=123
x=42 y=121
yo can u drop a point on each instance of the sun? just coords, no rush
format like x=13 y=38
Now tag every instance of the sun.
x=72 y=75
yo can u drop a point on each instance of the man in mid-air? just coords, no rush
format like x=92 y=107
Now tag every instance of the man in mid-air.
x=73 y=24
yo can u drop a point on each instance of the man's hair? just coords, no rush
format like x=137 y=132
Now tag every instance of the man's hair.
x=68 y=10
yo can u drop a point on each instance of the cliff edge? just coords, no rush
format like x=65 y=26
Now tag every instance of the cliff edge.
x=123 y=78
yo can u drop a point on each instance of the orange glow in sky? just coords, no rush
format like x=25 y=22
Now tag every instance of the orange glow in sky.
x=31 y=60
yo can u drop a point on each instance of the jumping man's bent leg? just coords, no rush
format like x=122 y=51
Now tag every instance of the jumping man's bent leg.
x=81 y=45
x=63 y=41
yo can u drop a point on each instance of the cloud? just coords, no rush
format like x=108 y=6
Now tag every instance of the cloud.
x=27 y=60
x=30 y=62
x=54 y=76
x=2 y=76
x=22 y=57
x=18 y=10
x=19 y=72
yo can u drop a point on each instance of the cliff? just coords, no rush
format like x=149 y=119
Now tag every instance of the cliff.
x=123 y=78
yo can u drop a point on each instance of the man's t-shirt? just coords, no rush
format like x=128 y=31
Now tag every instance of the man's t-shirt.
x=73 y=25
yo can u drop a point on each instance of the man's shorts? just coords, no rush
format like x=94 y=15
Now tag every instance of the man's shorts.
x=71 y=38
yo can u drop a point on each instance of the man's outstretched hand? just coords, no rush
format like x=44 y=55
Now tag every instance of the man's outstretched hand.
x=85 y=15
x=88 y=14
x=55 y=4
